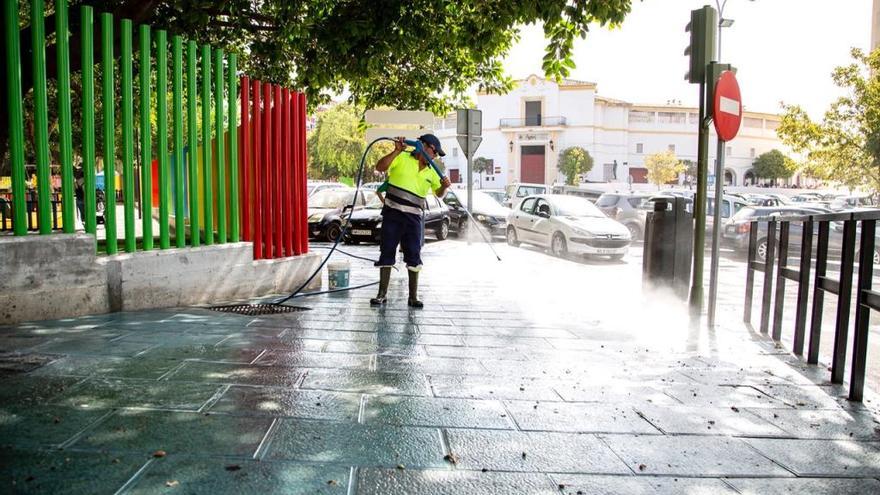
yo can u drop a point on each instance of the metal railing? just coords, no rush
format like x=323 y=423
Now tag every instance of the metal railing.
x=538 y=121
x=816 y=262
x=199 y=188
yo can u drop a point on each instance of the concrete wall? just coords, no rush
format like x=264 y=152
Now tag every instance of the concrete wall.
x=59 y=276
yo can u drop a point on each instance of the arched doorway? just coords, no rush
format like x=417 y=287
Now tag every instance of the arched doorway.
x=729 y=177
x=749 y=178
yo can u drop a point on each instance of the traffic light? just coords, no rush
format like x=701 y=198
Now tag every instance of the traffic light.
x=702 y=48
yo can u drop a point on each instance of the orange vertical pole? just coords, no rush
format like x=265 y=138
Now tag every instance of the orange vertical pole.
x=303 y=172
x=287 y=217
x=278 y=176
x=267 y=172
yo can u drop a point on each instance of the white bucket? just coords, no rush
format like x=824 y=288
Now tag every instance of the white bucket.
x=337 y=274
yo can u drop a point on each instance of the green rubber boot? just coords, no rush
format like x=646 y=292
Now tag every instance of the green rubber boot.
x=414 y=290
x=384 y=279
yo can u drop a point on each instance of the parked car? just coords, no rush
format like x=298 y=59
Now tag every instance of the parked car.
x=517 y=191
x=316 y=186
x=326 y=210
x=736 y=231
x=627 y=208
x=849 y=202
x=371 y=186
x=806 y=197
x=491 y=215
x=581 y=192
x=567 y=224
x=366 y=223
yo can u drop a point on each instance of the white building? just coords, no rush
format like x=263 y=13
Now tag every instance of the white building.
x=525 y=130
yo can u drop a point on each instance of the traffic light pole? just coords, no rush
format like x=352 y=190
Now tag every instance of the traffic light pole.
x=716 y=231
x=696 y=296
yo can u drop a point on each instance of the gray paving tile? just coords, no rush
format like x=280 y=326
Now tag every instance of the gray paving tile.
x=436 y=482
x=488 y=387
x=808 y=396
x=691 y=456
x=822 y=423
x=418 y=411
x=620 y=393
x=639 y=485
x=771 y=486
x=475 y=352
x=212 y=476
x=822 y=457
x=721 y=396
x=176 y=433
x=42 y=426
x=433 y=365
x=144 y=367
x=532 y=451
x=578 y=417
x=367 y=382
x=226 y=373
x=283 y=401
x=305 y=359
x=708 y=421
x=357 y=444
x=102 y=393
x=87 y=473
x=27 y=389
x=394 y=339
x=93 y=347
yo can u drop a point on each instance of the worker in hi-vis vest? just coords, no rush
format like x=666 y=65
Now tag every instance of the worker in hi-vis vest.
x=410 y=179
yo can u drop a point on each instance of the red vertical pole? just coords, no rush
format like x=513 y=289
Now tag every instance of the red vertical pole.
x=244 y=160
x=294 y=172
x=286 y=217
x=257 y=200
x=276 y=152
x=267 y=171
x=303 y=172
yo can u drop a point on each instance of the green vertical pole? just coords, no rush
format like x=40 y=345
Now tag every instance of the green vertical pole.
x=146 y=139
x=221 y=157
x=127 y=137
x=207 y=181
x=233 y=148
x=108 y=99
x=88 y=117
x=177 y=85
x=41 y=118
x=162 y=115
x=193 y=138
x=65 y=126
x=15 y=116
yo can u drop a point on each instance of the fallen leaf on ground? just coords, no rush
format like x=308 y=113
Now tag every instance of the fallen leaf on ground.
x=172 y=483
x=452 y=458
x=233 y=467
x=159 y=453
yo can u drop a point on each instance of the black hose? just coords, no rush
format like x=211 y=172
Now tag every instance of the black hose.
x=342 y=234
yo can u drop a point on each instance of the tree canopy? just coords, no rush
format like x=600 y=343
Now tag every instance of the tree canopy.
x=774 y=165
x=574 y=162
x=337 y=143
x=418 y=54
x=844 y=146
x=663 y=167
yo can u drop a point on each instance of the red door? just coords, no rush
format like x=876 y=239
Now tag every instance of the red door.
x=453 y=175
x=532 y=164
x=639 y=175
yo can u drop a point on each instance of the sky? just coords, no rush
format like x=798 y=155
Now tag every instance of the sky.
x=784 y=50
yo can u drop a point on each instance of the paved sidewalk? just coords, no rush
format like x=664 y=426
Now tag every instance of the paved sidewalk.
x=535 y=375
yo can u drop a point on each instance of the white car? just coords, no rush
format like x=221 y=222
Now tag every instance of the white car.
x=567 y=224
x=315 y=186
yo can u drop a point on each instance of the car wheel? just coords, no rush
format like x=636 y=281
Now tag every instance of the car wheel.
x=634 y=231
x=511 y=236
x=443 y=232
x=334 y=230
x=558 y=245
x=761 y=250
x=875 y=259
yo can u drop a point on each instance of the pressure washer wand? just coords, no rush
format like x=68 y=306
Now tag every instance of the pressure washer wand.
x=415 y=143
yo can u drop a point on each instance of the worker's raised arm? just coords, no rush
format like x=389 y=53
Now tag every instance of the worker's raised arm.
x=385 y=162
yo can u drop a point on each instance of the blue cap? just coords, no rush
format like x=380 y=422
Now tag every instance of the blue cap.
x=433 y=141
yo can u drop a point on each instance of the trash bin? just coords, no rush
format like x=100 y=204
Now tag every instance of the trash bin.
x=669 y=234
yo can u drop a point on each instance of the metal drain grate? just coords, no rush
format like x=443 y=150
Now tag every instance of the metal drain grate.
x=258 y=309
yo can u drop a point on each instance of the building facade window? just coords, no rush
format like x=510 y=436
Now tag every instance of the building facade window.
x=638 y=117
x=640 y=148
x=672 y=148
x=671 y=117
x=752 y=153
x=753 y=122
x=454 y=151
x=728 y=151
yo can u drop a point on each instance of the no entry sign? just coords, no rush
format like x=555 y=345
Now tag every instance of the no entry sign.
x=727 y=111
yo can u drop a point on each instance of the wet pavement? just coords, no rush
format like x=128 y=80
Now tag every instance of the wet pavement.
x=534 y=375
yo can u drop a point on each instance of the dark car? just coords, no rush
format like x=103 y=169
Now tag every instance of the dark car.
x=736 y=231
x=630 y=209
x=491 y=215
x=326 y=210
x=366 y=223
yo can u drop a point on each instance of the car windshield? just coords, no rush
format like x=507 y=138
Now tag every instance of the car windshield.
x=745 y=213
x=374 y=203
x=482 y=201
x=524 y=191
x=331 y=198
x=572 y=206
x=606 y=200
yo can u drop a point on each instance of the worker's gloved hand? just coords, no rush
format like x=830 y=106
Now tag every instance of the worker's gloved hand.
x=445 y=182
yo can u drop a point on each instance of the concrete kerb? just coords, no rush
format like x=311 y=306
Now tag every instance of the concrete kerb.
x=59 y=276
